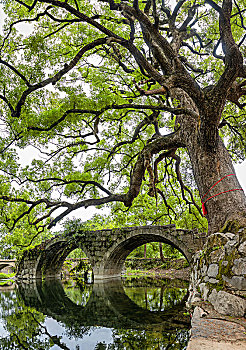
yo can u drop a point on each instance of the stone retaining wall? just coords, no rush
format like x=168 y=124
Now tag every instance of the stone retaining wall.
x=219 y=273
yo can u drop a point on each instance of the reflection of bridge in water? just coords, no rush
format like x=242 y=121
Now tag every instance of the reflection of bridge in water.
x=107 y=306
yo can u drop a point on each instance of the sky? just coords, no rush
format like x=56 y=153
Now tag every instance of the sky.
x=240 y=170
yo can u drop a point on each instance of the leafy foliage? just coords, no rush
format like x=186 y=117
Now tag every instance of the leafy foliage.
x=111 y=95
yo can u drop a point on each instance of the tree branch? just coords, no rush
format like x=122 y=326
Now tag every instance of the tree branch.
x=176 y=111
x=58 y=75
x=16 y=72
x=30 y=8
x=162 y=142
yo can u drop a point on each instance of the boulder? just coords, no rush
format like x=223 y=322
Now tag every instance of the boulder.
x=227 y=304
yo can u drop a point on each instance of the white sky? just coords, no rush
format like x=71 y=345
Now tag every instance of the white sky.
x=241 y=174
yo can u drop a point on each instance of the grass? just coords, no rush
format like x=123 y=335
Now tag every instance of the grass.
x=6 y=275
x=132 y=272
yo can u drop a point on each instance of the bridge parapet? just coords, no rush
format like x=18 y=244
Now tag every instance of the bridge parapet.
x=105 y=249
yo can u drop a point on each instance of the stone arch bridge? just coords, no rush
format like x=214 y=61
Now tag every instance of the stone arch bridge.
x=7 y=264
x=106 y=249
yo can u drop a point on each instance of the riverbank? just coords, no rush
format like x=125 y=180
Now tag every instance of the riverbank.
x=171 y=273
x=213 y=331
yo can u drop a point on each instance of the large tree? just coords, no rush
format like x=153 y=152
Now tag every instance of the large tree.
x=110 y=92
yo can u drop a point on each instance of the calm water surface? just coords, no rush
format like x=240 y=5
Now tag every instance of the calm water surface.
x=129 y=314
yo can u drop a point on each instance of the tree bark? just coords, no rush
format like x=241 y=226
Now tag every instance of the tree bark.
x=161 y=252
x=208 y=168
x=211 y=162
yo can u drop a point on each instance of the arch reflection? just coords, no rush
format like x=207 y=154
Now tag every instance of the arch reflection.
x=105 y=304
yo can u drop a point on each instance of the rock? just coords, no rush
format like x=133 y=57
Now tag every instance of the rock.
x=194 y=297
x=217 y=255
x=231 y=236
x=213 y=297
x=227 y=304
x=213 y=280
x=230 y=246
x=197 y=315
x=204 y=270
x=238 y=282
x=204 y=291
x=242 y=248
x=218 y=237
x=213 y=270
x=239 y=267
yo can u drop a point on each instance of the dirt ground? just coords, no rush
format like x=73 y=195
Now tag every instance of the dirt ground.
x=213 y=331
x=173 y=273
x=215 y=334
x=205 y=344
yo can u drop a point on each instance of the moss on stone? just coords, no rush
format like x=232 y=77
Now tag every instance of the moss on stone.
x=232 y=226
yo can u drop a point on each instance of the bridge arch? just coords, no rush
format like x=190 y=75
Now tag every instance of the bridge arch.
x=7 y=264
x=105 y=249
x=115 y=257
x=50 y=262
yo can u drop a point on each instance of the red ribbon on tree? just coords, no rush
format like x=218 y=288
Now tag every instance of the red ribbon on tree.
x=204 y=209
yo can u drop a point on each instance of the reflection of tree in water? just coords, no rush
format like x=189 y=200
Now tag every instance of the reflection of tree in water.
x=24 y=325
x=125 y=339
x=156 y=299
x=79 y=293
x=26 y=328
x=64 y=307
x=107 y=305
x=156 y=294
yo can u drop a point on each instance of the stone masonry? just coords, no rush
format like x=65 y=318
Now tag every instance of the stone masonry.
x=106 y=250
x=219 y=274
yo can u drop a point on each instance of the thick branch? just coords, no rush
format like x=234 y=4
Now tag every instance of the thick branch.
x=176 y=111
x=233 y=57
x=162 y=142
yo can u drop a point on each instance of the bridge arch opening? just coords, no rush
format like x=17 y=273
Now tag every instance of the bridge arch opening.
x=158 y=297
x=155 y=250
x=51 y=261
x=7 y=267
x=77 y=264
x=117 y=257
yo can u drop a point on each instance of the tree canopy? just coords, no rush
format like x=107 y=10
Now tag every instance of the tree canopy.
x=129 y=104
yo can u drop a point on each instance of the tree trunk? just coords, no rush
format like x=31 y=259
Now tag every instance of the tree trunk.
x=161 y=298
x=211 y=162
x=210 y=166
x=161 y=252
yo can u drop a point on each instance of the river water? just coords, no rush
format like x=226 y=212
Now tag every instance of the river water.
x=134 y=314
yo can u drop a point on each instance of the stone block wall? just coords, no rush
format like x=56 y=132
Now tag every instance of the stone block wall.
x=26 y=269
x=219 y=273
